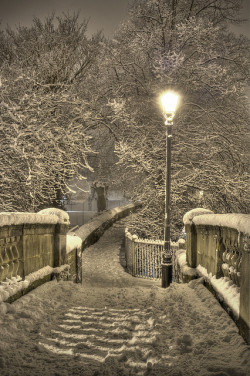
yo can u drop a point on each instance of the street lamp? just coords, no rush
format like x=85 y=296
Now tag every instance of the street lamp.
x=201 y=193
x=169 y=101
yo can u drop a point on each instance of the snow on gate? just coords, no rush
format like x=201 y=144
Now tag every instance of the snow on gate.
x=144 y=256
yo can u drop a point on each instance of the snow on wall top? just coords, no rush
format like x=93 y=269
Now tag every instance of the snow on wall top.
x=188 y=217
x=61 y=214
x=46 y=216
x=227 y=290
x=240 y=222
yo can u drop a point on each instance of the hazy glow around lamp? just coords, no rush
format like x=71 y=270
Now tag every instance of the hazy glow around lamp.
x=169 y=102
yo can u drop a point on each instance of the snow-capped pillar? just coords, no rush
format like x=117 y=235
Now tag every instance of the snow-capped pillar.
x=130 y=252
x=191 y=233
x=244 y=319
x=191 y=243
x=61 y=229
x=181 y=244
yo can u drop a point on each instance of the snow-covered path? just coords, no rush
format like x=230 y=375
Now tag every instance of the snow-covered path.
x=115 y=324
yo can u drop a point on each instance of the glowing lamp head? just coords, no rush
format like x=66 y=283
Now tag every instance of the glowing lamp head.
x=169 y=101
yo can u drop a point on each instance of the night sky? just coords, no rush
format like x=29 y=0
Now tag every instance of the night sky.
x=104 y=14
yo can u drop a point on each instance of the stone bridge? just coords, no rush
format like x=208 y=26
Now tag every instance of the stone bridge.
x=113 y=323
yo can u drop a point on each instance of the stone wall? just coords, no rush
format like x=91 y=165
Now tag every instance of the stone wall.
x=92 y=231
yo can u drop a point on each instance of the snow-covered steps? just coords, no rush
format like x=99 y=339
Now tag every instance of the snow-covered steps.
x=94 y=335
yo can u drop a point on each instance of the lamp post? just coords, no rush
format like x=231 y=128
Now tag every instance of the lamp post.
x=169 y=102
x=201 y=193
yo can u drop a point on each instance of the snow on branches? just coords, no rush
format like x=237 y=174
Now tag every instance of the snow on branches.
x=43 y=138
x=186 y=47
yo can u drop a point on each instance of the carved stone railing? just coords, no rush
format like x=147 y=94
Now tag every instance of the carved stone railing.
x=30 y=242
x=36 y=247
x=219 y=246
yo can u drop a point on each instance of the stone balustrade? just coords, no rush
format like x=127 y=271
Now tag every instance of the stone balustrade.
x=32 y=250
x=218 y=246
x=30 y=241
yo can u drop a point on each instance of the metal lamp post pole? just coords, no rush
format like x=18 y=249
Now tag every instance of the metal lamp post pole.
x=167 y=257
x=169 y=102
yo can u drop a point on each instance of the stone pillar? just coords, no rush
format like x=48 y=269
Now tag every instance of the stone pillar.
x=244 y=319
x=130 y=252
x=60 y=244
x=191 y=244
x=181 y=244
x=61 y=229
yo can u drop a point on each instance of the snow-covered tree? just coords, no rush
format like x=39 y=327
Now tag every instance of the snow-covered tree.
x=44 y=142
x=185 y=46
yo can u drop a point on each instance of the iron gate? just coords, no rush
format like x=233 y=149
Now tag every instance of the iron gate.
x=143 y=256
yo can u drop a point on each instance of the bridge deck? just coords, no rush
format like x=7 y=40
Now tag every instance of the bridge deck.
x=114 y=324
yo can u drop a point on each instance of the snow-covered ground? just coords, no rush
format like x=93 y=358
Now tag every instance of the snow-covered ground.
x=115 y=324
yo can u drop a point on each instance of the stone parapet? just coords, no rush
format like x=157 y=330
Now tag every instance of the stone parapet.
x=30 y=242
x=33 y=247
x=93 y=230
x=218 y=244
